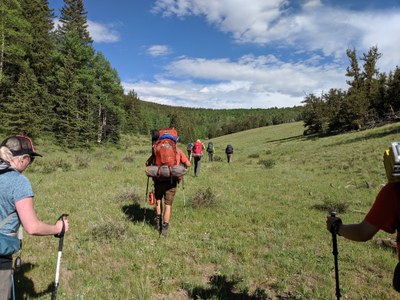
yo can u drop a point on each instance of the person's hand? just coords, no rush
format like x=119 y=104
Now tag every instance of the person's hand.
x=62 y=226
x=332 y=223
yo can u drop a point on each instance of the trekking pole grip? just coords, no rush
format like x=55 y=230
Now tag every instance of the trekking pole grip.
x=61 y=234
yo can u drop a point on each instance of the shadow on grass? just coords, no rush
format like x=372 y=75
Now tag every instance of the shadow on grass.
x=24 y=286
x=373 y=135
x=289 y=139
x=223 y=289
x=137 y=214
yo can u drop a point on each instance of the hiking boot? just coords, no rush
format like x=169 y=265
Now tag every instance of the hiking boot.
x=164 y=229
x=157 y=222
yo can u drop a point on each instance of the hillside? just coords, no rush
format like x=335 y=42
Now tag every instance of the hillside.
x=261 y=236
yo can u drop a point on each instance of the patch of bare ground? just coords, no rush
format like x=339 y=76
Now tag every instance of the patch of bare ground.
x=176 y=295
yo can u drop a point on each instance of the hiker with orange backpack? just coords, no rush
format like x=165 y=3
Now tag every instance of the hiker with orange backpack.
x=166 y=166
x=197 y=153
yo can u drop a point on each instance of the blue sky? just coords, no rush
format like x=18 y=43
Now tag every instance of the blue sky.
x=236 y=53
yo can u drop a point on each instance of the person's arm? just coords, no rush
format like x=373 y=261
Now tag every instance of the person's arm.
x=150 y=160
x=31 y=223
x=183 y=158
x=360 y=232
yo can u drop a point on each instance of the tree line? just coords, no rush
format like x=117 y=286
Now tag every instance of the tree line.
x=372 y=99
x=54 y=83
x=195 y=123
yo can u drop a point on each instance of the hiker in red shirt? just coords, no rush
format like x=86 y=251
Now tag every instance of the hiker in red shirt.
x=383 y=215
x=197 y=153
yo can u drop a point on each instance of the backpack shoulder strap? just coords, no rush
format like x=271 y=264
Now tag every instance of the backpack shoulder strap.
x=4 y=221
x=20 y=231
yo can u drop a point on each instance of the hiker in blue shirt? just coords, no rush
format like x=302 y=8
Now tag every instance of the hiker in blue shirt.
x=16 y=201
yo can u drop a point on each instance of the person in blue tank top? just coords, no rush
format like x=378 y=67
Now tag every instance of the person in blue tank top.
x=16 y=201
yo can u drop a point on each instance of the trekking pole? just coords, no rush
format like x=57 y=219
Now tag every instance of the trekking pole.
x=17 y=267
x=184 y=197
x=145 y=200
x=335 y=255
x=60 y=247
x=12 y=285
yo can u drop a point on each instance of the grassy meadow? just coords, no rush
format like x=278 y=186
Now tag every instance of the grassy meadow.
x=252 y=229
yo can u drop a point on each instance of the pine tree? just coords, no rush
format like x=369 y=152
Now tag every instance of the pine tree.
x=74 y=19
x=40 y=52
x=20 y=112
x=109 y=95
x=75 y=58
x=14 y=41
x=393 y=90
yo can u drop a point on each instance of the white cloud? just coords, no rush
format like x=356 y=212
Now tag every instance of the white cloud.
x=158 y=50
x=262 y=81
x=101 y=33
x=317 y=35
x=313 y=27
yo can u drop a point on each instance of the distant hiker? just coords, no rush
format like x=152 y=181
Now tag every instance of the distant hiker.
x=197 y=153
x=16 y=205
x=189 y=149
x=210 y=151
x=229 y=152
x=169 y=166
x=384 y=213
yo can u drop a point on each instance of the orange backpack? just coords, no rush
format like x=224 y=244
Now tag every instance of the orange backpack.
x=165 y=153
x=165 y=147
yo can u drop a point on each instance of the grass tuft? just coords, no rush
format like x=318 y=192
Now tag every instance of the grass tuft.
x=204 y=198
x=129 y=195
x=108 y=232
x=330 y=205
x=267 y=163
x=82 y=161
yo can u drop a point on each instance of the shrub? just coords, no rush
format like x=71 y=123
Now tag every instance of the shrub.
x=130 y=195
x=50 y=166
x=108 y=232
x=330 y=205
x=128 y=158
x=112 y=167
x=217 y=158
x=142 y=152
x=82 y=161
x=203 y=198
x=267 y=163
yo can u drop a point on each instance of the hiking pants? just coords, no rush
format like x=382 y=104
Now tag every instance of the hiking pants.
x=210 y=156
x=229 y=157
x=197 y=165
x=5 y=284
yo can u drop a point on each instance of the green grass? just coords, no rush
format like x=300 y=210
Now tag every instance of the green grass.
x=263 y=237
